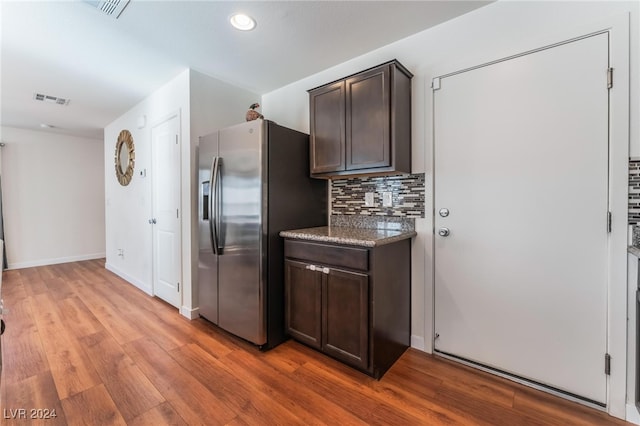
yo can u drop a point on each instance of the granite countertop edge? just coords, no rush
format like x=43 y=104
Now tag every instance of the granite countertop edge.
x=349 y=236
x=634 y=251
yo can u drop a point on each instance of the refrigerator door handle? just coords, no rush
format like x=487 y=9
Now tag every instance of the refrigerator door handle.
x=213 y=205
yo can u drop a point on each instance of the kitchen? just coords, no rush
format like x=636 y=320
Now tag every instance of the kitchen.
x=427 y=56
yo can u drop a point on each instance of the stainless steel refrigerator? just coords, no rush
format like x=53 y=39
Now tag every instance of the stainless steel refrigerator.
x=254 y=183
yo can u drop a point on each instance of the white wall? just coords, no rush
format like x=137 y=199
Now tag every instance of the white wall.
x=493 y=32
x=53 y=197
x=204 y=104
x=128 y=208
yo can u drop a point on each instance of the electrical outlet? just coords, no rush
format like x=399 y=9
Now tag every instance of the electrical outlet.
x=387 y=200
x=368 y=199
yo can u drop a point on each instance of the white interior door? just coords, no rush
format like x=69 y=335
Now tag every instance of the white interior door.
x=165 y=149
x=521 y=163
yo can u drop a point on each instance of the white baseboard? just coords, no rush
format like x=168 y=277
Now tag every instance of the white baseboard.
x=54 y=261
x=190 y=313
x=632 y=414
x=417 y=342
x=134 y=281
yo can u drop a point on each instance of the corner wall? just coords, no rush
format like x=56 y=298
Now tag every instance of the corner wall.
x=496 y=31
x=129 y=208
x=203 y=105
x=53 y=197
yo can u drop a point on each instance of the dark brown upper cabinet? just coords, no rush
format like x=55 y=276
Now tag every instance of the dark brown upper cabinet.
x=361 y=125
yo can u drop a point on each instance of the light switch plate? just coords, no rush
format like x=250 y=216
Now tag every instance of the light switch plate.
x=368 y=199
x=387 y=200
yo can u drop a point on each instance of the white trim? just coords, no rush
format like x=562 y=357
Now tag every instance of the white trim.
x=166 y=117
x=131 y=280
x=190 y=313
x=632 y=414
x=55 y=261
x=619 y=104
x=177 y=114
x=417 y=342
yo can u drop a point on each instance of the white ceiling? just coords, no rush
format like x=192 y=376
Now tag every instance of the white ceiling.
x=105 y=66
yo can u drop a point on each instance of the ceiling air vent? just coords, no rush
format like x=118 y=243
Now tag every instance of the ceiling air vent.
x=50 y=99
x=111 y=8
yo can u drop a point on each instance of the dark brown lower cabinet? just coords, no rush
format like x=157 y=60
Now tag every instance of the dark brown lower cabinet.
x=345 y=317
x=351 y=303
x=303 y=287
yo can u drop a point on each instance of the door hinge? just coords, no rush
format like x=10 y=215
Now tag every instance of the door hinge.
x=607 y=364
x=435 y=83
x=609 y=222
x=177 y=213
x=178 y=287
x=609 y=78
x=176 y=139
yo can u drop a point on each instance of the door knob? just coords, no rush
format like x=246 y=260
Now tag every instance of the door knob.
x=443 y=232
x=444 y=212
x=152 y=221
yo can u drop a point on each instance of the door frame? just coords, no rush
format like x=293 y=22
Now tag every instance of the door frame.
x=619 y=104
x=156 y=123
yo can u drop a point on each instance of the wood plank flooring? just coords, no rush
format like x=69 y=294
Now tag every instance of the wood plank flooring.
x=98 y=351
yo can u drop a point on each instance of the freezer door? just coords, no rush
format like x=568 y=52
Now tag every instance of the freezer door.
x=241 y=285
x=207 y=261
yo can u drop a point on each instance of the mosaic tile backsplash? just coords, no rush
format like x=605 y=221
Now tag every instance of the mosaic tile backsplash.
x=347 y=195
x=634 y=192
x=408 y=195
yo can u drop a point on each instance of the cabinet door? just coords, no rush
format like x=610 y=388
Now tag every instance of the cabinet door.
x=327 y=128
x=345 y=317
x=368 y=119
x=303 y=298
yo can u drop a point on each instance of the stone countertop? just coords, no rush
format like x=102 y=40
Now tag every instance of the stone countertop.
x=634 y=251
x=349 y=236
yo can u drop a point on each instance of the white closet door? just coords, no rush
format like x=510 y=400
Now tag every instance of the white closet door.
x=167 y=265
x=521 y=163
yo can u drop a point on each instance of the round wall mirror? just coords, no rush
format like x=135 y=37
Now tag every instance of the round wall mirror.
x=125 y=157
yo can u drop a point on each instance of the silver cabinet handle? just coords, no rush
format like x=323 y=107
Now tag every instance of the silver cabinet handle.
x=152 y=221
x=314 y=268
x=443 y=232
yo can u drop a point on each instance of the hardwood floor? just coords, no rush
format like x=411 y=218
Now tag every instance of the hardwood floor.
x=98 y=351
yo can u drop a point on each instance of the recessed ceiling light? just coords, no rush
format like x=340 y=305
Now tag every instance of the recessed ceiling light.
x=242 y=22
